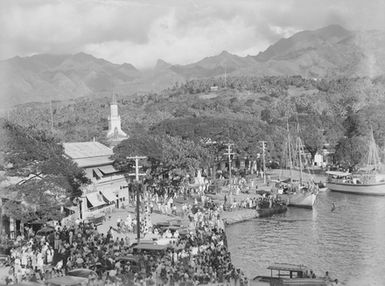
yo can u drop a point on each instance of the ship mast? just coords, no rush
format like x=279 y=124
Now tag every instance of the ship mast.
x=289 y=150
x=373 y=154
x=299 y=149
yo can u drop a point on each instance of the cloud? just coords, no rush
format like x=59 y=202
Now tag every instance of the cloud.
x=177 y=31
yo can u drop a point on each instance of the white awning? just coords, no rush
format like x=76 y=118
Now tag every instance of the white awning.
x=107 y=169
x=109 y=195
x=95 y=199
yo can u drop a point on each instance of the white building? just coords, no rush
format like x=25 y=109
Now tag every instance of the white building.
x=115 y=134
x=108 y=186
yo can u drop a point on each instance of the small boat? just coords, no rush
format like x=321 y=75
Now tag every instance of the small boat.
x=285 y=274
x=275 y=209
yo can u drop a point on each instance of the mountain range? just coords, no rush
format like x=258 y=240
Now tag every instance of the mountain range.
x=331 y=51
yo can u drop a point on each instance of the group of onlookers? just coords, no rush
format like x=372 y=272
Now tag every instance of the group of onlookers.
x=198 y=255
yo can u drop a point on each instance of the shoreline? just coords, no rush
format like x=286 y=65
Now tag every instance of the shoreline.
x=238 y=216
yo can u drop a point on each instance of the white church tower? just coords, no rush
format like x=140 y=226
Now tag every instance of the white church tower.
x=115 y=133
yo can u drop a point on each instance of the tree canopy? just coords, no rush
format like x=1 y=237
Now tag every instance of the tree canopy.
x=50 y=179
x=243 y=111
x=30 y=151
x=169 y=159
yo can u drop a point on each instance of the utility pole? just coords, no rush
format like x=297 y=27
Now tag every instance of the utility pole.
x=138 y=188
x=229 y=153
x=263 y=161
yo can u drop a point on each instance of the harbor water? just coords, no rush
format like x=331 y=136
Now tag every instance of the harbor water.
x=348 y=241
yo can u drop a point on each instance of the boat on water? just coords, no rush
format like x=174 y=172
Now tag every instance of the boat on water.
x=368 y=180
x=285 y=274
x=268 y=206
x=346 y=182
x=303 y=198
x=297 y=193
x=269 y=211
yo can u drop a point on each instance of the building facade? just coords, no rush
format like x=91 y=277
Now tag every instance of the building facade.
x=108 y=188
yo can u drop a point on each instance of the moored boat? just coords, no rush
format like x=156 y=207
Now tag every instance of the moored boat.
x=348 y=183
x=270 y=205
x=284 y=274
x=269 y=211
x=368 y=180
x=296 y=193
x=301 y=200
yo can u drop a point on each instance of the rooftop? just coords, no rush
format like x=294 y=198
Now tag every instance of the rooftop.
x=287 y=267
x=78 y=150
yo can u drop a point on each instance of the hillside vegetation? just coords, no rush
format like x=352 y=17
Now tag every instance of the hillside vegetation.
x=244 y=110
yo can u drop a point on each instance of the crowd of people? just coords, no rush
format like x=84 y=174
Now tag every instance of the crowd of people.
x=197 y=255
x=258 y=202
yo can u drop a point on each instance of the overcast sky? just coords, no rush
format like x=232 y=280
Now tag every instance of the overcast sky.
x=177 y=31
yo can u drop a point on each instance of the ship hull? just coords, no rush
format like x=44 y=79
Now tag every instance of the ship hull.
x=377 y=189
x=300 y=200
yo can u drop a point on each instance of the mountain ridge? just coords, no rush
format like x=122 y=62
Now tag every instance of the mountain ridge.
x=330 y=51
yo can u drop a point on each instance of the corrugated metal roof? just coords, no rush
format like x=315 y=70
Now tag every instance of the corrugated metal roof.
x=77 y=150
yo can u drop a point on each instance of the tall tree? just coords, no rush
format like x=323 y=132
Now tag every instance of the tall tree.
x=55 y=181
x=169 y=159
x=33 y=152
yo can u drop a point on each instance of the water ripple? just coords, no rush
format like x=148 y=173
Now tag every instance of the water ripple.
x=348 y=242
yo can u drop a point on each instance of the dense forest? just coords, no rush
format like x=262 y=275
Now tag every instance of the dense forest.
x=338 y=113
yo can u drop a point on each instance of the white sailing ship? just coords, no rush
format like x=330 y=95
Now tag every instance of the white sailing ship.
x=368 y=180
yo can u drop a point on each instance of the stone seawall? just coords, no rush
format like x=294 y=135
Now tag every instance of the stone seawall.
x=237 y=216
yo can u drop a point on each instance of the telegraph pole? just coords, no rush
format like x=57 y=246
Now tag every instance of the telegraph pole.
x=263 y=161
x=138 y=188
x=229 y=153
